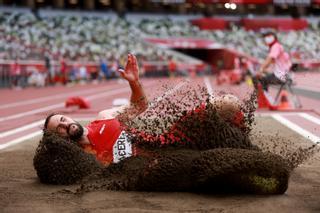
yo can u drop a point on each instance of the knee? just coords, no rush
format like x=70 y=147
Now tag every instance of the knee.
x=227 y=106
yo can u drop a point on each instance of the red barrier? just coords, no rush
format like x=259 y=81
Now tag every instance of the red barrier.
x=211 y=23
x=282 y=24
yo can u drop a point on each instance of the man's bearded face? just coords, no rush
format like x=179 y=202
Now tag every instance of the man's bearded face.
x=75 y=131
x=66 y=127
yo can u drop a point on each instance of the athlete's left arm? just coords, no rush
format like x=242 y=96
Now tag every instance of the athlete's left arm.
x=111 y=113
x=138 y=100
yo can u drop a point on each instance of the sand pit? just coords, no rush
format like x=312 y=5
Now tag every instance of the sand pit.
x=198 y=148
x=21 y=191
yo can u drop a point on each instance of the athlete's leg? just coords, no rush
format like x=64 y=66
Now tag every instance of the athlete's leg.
x=241 y=170
x=203 y=128
x=207 y=126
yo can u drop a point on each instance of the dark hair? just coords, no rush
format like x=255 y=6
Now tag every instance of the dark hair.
x=46 y=122
x=57 y=161
x=267 y=33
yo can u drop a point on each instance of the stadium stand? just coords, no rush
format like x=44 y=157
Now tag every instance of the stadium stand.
x=81 y=38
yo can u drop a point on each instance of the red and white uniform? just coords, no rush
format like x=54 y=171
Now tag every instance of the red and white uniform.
x=111 y=144
x=108 y=141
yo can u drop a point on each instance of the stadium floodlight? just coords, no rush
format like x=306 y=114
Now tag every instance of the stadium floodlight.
x=233 y=6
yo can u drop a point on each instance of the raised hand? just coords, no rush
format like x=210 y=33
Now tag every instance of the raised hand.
x=131 y=71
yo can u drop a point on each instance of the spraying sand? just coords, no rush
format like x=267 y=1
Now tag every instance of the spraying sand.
x=213 y=154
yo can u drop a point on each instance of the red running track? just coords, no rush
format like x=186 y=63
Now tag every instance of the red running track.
x=21 y=111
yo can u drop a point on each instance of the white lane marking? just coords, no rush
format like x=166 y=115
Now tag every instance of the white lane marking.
x=38 y=100
x=31 y=125
x=268 y=114
x=310 y=118
x=33 y=134
x=167 y=93
x=92 y=97
x=21 y=139
x=296 y=128
x=23 y=114
x=208 y=85
x=20 y=129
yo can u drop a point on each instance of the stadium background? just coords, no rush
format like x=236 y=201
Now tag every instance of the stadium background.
x=186 y=36
x=62 y=47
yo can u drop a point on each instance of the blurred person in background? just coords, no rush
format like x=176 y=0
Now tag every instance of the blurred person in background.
x=49 y=69
x=16 y=75
x=94 y=74
x=278 y=62
x=74 y=73
x=63 y=71
x=104 y=70
x=114 y=68
x=36 y=78
x=172 y=67
x=83 y=74
x=141 y=61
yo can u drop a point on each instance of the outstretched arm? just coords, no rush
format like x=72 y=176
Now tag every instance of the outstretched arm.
x=131 y=73
x=138 y=100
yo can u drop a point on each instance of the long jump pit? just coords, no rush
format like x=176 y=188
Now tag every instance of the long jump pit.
x=21 y=190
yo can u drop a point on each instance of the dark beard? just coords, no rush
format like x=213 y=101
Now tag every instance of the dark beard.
x=76 y=135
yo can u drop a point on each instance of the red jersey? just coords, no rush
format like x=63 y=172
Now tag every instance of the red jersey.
x=111 y=144
x=108 y=141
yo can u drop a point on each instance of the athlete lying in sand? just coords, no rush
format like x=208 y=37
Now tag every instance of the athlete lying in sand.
x=106 y=138
x=204 y=149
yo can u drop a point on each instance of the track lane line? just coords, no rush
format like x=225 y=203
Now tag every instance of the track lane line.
x=296 y=128
x=22 y=128
x=208 y=85
x=168 y=93
x=33 y=134
x=20 y=139
x=43 y=99
x=23 y=114
x=61 y=105
x=310 y=118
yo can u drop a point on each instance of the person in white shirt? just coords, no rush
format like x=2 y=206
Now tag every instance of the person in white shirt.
x=278 y=62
